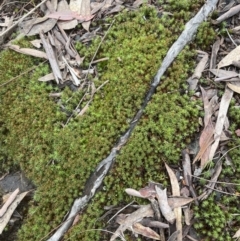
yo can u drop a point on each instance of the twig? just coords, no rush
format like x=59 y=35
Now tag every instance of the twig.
x=214 y=189
x=25 y=72
x=119 y=211
x=89 y=66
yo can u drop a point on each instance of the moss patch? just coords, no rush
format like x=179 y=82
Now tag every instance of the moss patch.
x=59 y=160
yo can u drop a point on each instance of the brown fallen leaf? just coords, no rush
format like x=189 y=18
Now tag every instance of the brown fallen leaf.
x=83 y=8
x=188 y=215
x=33 y=27
x=225 y=101
x=51 y=56
x=201 y=65
x=215 y=49
x=147 y=222
x=69 y=15
x=205 y=141
x=234 y=87
x=164 y=206
x=176 y=202
x=28 y=51
x=128 y=221
x=96 y=6
x=138 y=3
x=174 y=236
x=234 y=55
x=193 y=81
x=223 y=74
x=133 y=192
x=237 y=234
x=145 y=231
x=148 y=191
x=176 y=192
x=71 y=24
x=208 y=106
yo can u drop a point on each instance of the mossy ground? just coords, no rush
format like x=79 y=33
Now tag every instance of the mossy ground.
x=59 y=160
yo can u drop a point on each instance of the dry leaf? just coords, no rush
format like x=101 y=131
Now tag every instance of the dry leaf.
x=83 y=8
x=237 y=234
x=138 y=3
x=95 y=6
x=28 y=51
x=116 y=9
x=205 y=141
x=84 y=109
x=201 y=65
x=223 y=74
x=63 y=6
x=148 y=191
x=187 y=171
x=145 y=231
x=37 y=43
x=47 y=77
x=133 y=192
x=225 y=101
x=176 y=192
x=235 y=88
x=234 y=55
x=175 y=202
x=69 y=15
x=188 y=214
x=147 y=222
x=215 y=49
x=31 y=27
x=208 y=106
x=164 y=206
x=128 y=221
x=174 y=236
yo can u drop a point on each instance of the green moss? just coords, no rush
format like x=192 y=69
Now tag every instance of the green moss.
x=59 y=160
x=211 y=219
x=205 y=35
